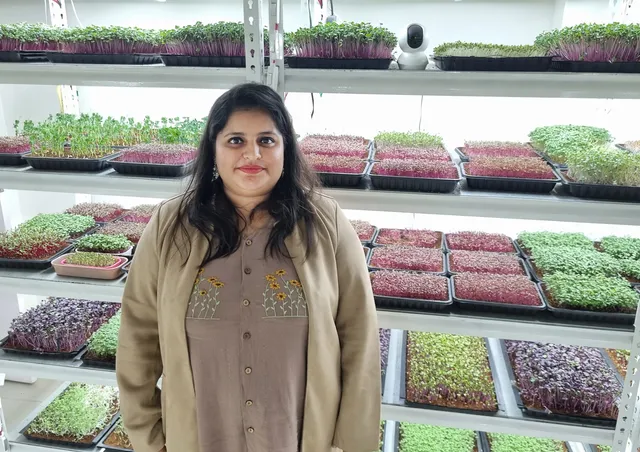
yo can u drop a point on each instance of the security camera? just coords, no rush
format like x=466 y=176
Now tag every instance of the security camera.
x=413 y=43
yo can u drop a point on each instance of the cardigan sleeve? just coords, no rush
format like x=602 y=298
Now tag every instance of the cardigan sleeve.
x=138 y=359
x=358 y=423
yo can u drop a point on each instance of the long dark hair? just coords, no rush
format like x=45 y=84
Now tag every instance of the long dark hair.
x=205 y=205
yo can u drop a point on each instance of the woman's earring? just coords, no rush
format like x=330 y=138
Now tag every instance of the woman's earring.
x=215 y=173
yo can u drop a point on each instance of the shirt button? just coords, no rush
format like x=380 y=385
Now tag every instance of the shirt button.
x=249 y=242
x=246 y=302
x=246 y=335
x=249 y=402
x=247 y=370
x=247 y=271
x=250 y=430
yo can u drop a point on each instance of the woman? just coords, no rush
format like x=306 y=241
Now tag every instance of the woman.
x=249 y=295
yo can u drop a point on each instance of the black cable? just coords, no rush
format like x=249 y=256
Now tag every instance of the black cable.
x=309 y=11
x=331 y=6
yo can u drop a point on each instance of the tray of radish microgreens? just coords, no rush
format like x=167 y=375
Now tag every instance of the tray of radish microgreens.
x=414 y=161
x=102 y=345
x=339 y=160
x=57 y=328
x=79 y=417
x=506 y=166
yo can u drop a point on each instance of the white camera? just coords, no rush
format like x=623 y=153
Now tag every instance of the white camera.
x=413 y=42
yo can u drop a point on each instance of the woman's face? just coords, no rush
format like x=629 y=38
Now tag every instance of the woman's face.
x=249 y=154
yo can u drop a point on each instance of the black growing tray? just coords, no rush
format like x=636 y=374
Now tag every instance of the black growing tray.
x=338 y=63
x=471 y=63
x=39 y=354
x=418 y=304
x=596 y=66
x=445 y=264
x=597 y=191
x=96 y=58
x=75 y=445
x=33 y=56
x=589 y=316
x=10 y=57
x=486 y=445
x=403 y=385
x=151 y=169
x=13 y=159
x=96 y=362
x=510 y=184
x=492 y=306
x=402 y=183
x=203 y=61
x=479 y=445
x=349 y=180
x=70 y=164
x=537 y=413
x=32 y=264
x=108 y=448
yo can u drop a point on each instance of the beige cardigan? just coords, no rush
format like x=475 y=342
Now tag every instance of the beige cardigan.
x=342 y=404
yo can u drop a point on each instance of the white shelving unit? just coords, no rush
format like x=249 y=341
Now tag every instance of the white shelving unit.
x=556 y=207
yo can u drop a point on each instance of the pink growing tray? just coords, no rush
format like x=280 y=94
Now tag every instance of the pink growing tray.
x=80 y=271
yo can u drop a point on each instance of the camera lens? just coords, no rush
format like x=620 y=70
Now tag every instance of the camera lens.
x=415 y=36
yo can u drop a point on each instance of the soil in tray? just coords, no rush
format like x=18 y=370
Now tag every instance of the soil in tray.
x=118 y=439
x=449 y=371
x=621 y=360
x=65 y=438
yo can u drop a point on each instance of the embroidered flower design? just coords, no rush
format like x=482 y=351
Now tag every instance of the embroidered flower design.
x=204 y=297
x=282 y=297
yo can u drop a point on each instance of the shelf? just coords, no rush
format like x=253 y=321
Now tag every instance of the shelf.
x=133 y=76
x=430 y=82
x=554 y=207
x=509 y=327
x=47 y=283
x=445 y=83
x=54 y=369
x=509 y=420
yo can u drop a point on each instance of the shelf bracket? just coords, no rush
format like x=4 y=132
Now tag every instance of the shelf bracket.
x=275 y=71
x=254 y=41
x=627 y=434
x=67 y=94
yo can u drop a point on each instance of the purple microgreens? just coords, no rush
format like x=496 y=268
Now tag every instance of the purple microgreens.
x=522 y=168
x=434 y=153
x=14 y=145
x=565 y=379
x=479 y=241
x=415 y=237
x=506 y=289
x=401 y=257
x=159 y=154
x=336 y=164
x=416 y=168
x=485 y=262
x=424 y=286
